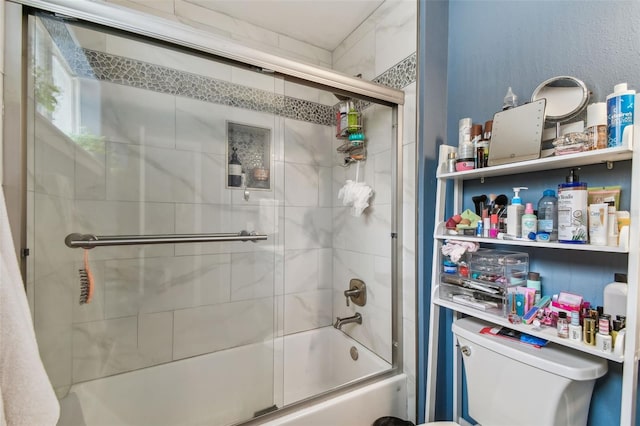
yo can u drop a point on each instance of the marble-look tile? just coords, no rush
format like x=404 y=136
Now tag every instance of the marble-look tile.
x=358 y=56
x=395 y=34
x=171 y=58
x=165 y=284
x=409 y=127
x=325 y=188
x=136 y=116
x=253 y=275
x=301 y=185
x=325 y=268
x=253 y=79
x=216 y=327
x=369 y=233
x=103 y=348
x=54 y=217
x=308 y=143
x=54 y=156
x=409 y=232
x=163 y=175
x=365 y=29
x=306 y=311
x=91 y=173
x=350 y=264
x=378 y=128
x=382 y=177
x=409 y=347
x=307 y=228
x=301 y=270
x=201 y=126
x=301 y=91
x=125 y=218
x=375 y=330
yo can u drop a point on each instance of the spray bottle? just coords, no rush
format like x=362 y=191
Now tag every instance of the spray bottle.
x=514 y=213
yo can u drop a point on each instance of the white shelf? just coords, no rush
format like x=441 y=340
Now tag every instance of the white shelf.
x=547 y=333
x=440 y=234
x=548 y=163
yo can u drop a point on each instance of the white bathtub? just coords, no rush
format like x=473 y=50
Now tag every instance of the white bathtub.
x=220 y=388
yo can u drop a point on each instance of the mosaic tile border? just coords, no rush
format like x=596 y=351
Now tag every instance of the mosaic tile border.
x=130 y=72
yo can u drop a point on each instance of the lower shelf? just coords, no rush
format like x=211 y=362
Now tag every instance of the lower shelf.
x=547 y=333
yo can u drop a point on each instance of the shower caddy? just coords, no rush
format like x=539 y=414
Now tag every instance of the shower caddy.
x=628 y=360
x=349 y=128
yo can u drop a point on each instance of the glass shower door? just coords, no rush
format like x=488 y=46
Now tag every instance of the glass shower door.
x=131 y=138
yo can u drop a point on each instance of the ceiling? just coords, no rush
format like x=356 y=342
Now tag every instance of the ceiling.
x=322 y=23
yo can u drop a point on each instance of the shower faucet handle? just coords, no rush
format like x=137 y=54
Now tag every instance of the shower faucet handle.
x=357 y=292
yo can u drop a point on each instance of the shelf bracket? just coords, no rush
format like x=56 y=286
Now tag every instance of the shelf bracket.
x=609 y=165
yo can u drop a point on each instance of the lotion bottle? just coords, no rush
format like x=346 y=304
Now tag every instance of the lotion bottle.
x=514 y=213
x=529 y=221
x=620 y=111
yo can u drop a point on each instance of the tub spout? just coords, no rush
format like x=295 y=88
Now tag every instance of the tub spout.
x=357 y=318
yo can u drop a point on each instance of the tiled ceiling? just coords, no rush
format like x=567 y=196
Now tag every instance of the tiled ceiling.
x=322 y=23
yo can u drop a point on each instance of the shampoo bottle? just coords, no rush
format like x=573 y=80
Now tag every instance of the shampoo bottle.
x=234 y=170
x=620 y=113
x=529 y=222
x=572 y=210
x=514 y=213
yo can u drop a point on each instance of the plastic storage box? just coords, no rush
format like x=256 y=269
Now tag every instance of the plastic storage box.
x=491 y=276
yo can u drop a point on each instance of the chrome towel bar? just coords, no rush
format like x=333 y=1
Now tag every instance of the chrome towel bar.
x=88 y=241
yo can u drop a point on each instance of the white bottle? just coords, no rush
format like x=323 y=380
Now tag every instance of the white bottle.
x=620 y=111
x=598 y=227
x=615 y=296
x=529 y=221
x=514 y=213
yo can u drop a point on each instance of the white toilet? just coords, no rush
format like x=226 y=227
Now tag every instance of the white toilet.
x=515 y=384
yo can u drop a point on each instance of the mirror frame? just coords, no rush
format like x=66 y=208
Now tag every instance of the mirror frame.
x=581 y=106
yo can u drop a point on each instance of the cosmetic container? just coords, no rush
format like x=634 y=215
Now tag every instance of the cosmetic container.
x=575 y=331
x=563 y=325
x=604 y=342
x=589 y=331
x=451 y=162
x=620 y=111
x=598 y=227
x=572 y=210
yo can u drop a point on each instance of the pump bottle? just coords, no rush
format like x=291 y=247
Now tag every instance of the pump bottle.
x=514 y=213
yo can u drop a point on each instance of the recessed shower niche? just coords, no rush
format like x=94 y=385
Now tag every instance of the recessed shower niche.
x=248 y=156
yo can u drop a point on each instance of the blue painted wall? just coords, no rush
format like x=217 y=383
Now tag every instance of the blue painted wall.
x=496 y=44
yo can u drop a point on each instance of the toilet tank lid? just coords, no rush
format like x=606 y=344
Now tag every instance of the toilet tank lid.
x=553 y=358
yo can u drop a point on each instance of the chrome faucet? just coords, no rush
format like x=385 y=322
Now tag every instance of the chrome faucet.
x=357 y=318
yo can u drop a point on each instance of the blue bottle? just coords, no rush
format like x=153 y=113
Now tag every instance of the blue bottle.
x=620 y=111
x=548 y=214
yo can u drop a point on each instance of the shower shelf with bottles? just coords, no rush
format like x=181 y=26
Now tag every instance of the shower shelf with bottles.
x=349 y=128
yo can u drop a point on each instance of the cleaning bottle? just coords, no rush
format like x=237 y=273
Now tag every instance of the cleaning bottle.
x=572 y=210
x=514 y=213
x=529 y=222
x=548 y=214
x=620 y=112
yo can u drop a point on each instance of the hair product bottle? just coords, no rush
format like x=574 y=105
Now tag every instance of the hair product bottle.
x=620 y=112
x=572 y=210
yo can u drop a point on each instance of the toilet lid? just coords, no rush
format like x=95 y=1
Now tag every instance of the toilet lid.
x=553 y=358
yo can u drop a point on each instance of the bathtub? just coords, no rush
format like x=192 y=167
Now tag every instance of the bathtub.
x=222 y=387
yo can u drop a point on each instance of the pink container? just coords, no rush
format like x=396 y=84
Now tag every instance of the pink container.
x=464 y=164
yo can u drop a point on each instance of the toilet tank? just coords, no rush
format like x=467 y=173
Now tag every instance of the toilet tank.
x=511 y=383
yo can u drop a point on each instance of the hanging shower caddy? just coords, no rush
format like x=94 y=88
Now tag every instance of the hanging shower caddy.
x=349 y=127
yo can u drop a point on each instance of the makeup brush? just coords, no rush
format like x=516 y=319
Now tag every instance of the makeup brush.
x=479 y=201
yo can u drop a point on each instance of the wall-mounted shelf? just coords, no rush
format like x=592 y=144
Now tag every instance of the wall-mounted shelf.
x=547 y=333
x=441 y=234
x=560 y=162
x=446 y=180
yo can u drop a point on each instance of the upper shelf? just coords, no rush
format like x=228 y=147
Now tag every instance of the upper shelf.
x=548 y=163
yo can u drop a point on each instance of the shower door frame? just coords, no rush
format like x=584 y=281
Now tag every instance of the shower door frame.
x=178 y=34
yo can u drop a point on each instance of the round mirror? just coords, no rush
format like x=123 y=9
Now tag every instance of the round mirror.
x=566 y=97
